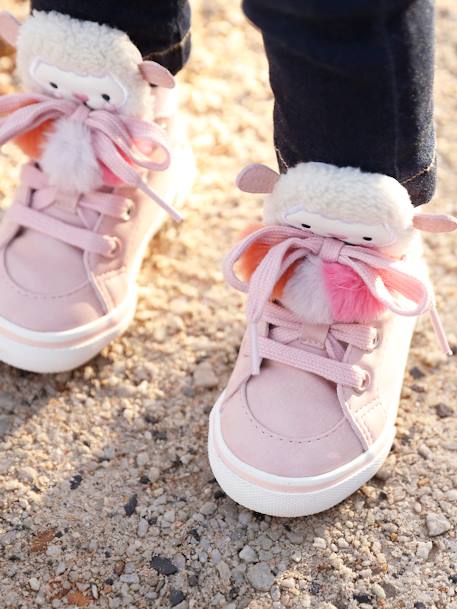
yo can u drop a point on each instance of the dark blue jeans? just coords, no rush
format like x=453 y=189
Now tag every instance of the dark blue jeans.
x=352 y=79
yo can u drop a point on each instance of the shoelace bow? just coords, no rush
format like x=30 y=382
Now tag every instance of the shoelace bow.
x=114 y=136
x=405 y=295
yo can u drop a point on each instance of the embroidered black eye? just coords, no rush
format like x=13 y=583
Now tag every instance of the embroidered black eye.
x=306 y=226
x=53 y=85
x=368 y=238
x=106 y=97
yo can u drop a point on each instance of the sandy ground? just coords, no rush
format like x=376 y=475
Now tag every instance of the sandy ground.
x=107 y=499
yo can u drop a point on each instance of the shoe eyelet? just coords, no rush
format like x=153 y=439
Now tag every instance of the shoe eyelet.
x=129 y=211
x=365 y=383
x=375 y=342
x=116 y=245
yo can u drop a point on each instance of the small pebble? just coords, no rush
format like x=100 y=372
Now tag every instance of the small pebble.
x=287 y=583
x=153 y=474
x=362 y=598
x=143 y=526
x=423 y=549
x=61 y=566
x=260 y=576
x=416 y=373
x=275 y=593
x=319 y=542
x=208 y=508
x=452 y=494
x=248 y=554
x=130 y=506
x=142 y=459
x=443 y=410
x=176 y=597
x=204 y=376
x=425 y=451
x=437 y=524
x=379 y=591
x=75 y=481
x=34 y=584
x=163 y=565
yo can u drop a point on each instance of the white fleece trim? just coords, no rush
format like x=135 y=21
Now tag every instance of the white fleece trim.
x=346 y=194
x=83 y=47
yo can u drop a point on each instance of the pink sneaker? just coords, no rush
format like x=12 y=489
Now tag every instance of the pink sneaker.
x=336 y=280
x=96 y=191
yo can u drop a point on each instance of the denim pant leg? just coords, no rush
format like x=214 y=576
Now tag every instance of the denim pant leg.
x=159 y=28
x=353 y=84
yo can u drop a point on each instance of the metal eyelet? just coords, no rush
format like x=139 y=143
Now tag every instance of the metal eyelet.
x=116 y=245
x=129 y=211
x=375 y=342
x=365 y=383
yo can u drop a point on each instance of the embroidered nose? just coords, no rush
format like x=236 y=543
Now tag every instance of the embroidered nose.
x=81 y=97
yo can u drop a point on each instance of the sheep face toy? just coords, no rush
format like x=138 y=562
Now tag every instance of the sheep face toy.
x=365 y=210
x=94 y=65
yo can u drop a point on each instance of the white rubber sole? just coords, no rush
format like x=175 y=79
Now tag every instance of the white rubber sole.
x=52 y=352
x=290 y=497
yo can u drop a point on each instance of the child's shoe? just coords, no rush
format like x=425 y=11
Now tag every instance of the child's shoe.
x=335 y=281
x=104 y=175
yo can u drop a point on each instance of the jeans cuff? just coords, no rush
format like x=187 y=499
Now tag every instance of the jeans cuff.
x=174 y=57
x=421 y=186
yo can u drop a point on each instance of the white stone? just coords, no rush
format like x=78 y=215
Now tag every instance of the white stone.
x=287 y=583
x=61 y=566
x=437 y=524
x=34 y=584
x=208 y=508
x=260 y=576
x=379 y=591
x=143 y=526
x=153 y=474
x=452 y=494
x=319 y=542
x=423 y=549
x=142 y=459
x=204 y=376
x=248 y=554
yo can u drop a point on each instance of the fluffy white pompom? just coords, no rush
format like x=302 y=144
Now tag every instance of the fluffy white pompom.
x=68 y=157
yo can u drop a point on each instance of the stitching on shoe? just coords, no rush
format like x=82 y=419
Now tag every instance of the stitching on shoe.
x=365 y=430
x=368 y=405
x=365 y=410
x=112 y=273
x=274 y=436
x=100 y=286
x=6 y=280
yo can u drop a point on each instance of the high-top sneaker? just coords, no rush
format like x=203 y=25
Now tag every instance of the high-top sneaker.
x=335 y=280
x=108 y=162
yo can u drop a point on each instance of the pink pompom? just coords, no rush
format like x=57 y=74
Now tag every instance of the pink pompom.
x=350 y=299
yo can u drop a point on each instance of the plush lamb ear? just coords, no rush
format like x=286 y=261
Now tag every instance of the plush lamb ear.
x=435 y=223
x=156 y=74
x=9 y=28
x=257 y=178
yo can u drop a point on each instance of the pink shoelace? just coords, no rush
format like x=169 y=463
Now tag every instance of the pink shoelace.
x=27 y=211
x=405 y=295
x=115 y=137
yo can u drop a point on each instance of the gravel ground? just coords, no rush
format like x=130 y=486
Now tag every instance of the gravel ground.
x=107 y=497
